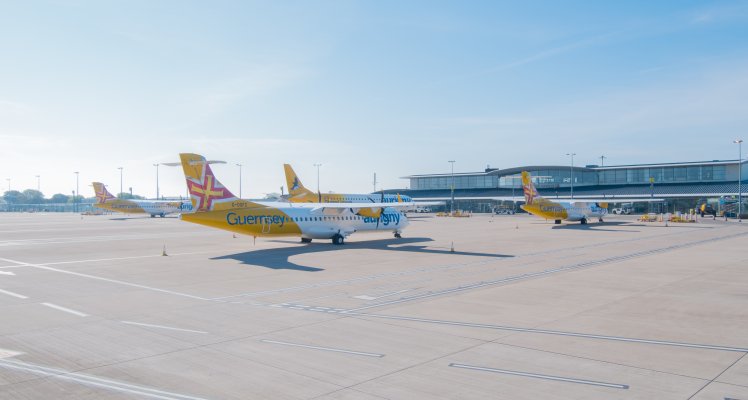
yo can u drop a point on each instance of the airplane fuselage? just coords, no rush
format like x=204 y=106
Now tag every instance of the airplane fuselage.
x=310 y=197
x=567 y=211
x=152 y=207
x=282 y=219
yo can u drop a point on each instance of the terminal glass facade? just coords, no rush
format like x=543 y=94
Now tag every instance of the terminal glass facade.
x=695 y=173
x=552 y=178
x=477 y=181
x=560 y=177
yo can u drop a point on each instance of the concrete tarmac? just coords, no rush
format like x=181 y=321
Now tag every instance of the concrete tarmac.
x=521 y=309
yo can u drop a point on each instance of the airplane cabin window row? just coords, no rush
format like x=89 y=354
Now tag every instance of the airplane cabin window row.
x=307 y=219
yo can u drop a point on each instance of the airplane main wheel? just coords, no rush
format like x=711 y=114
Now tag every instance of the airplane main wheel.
x=398 y=235
x=557 y=222
x=162 y=215
x=306 y=240
x=600 y=220
x=338 y=239
x=583 y=221
x=153 y=215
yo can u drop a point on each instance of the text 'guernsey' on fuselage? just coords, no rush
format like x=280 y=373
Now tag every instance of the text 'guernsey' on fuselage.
x=305 y=220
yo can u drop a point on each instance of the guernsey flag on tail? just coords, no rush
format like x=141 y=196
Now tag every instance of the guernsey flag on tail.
x=206 y=192
x=528 y=188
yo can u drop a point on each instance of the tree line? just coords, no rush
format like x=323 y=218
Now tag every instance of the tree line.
x=31 y=196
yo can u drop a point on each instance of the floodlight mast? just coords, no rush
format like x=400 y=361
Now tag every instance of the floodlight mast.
x=740 y=177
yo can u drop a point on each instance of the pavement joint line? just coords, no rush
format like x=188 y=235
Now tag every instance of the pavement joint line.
x=360 y=279
x=64 y=309
x=359 y=353
x=103 y=279
x=162 y=327
x=89 y=380
x=418 y=270
x=88 y=239
x=5 y=353
x=717 y=377
x=9 y=293
x=116 y=258
x=558 y=333
x=541 y=376
x=501 y=342
x=572 y=267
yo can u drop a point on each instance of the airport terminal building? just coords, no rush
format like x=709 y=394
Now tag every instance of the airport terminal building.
x=680 y=185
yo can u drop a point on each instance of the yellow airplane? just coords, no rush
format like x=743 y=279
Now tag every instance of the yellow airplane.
x=107 y=201
x=297 y=193
x=215 y=206
x=581 y=211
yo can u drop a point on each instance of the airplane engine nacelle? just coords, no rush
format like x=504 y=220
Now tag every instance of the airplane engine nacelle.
x=370 y=212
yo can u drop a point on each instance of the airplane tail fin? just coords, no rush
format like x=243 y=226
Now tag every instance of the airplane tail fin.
x=206 y=192
x=102 y=194
x=531 y=194
x=295 y=187
x=296 y=190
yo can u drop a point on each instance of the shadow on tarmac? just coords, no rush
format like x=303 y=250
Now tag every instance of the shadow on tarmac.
x=279 y=258
x=140 y=217
x=597 y=226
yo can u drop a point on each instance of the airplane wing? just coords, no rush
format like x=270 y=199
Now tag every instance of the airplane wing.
x=613 y=199
x=356 y=206
x=520 y=199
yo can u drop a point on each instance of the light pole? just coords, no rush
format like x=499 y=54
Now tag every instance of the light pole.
x=318 y=165
x=120 y=181
x=77 y=193
x=571 y=170
x=602 y=160
x=740 y=176
x=38 y=183
x=452 y=188
x=240 y=180
x=157 y=193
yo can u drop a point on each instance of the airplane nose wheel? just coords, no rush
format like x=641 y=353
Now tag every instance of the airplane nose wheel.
x=338 y=239
x=397 y=235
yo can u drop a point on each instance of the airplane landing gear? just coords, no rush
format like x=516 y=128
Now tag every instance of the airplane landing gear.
x=557 y=222
x=306 y=240
x=583 y=221
x=397 y=235
x=600 y=220
x=338 y=239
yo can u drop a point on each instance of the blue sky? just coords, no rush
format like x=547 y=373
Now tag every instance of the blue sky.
x=390 y=87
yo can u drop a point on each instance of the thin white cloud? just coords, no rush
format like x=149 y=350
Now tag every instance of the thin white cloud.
x=552 y=52
x=254 y=82
x=720 y=13
x=14 y=108
x=488 y=121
